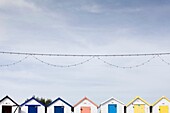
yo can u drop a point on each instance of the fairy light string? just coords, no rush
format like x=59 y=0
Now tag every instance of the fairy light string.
x=126 y=67
x=63 y=66
x=82 y=55
x=92 y=56
x=164 y=61
x=14 y=63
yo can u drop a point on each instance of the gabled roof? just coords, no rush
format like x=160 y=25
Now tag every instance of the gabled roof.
x=58 y=100
x=7 y=97
x=111 y=100
x=163 y=97
x=85 y=98
x=137 y=97
x=33 y=98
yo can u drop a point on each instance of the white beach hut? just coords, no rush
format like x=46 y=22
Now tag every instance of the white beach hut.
x=138 y=105
x=112 y=106
x=59 y=106
x=161 y=106
x=85 y=106
x=7 y=105
x=32 y=106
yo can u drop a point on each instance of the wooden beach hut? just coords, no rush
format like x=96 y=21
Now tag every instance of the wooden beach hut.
x=59 y=106
x=32 y=105
x=85 y=106
x=7 y=105
x=161 y=106
x=112 y=105
x=138 y=105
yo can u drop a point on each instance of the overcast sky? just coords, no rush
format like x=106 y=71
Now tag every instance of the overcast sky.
x=84 y=27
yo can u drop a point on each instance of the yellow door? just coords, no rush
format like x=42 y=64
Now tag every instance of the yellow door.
x=139 y=108
x=163 y=109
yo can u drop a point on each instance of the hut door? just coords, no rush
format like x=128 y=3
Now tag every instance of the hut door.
x=58 y=109
x=85 y=110
x=139 y=108
x=112 y=108
x=163 y=109
x=6 y=109
x=32 y=109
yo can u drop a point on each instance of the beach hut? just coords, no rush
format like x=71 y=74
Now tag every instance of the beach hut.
x=32 y=105
x=161 y=106
x=138 y=105
x=85 y=106
x=112 y=105
x=7 y=105
x=59 y=106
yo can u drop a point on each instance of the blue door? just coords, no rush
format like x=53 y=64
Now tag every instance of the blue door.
x=32 y=109
x=58 y=109
x=112 y=108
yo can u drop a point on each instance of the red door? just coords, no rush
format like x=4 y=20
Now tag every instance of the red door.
x=85 y=110
x=6 y=109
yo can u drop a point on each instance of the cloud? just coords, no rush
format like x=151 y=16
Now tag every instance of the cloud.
x=93 y=8
x=23 y=4
x=128 y=10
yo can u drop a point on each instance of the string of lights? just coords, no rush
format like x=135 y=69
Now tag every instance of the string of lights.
x=63 y=66
x=14 y=63
x=126 y=67
x=87 y=55
x=110 y=64
x=163 y=60
x=99 y=57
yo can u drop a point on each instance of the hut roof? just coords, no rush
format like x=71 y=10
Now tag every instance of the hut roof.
x=60 y=100
x=112 y=98
x=137 y=97
x=33 y=98
x=163 y=97
x=85 y=98
x=7 y=97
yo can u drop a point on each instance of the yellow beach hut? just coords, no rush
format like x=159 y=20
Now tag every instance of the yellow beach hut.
x=138 y=105
x=161 y=106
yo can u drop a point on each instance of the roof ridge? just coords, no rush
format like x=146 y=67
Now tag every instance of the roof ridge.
x=32 y=98
x=138 y=97
x=57 y=100
x=112 y=98
x=7 y=97
x=85 y=98
x=163 y=97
